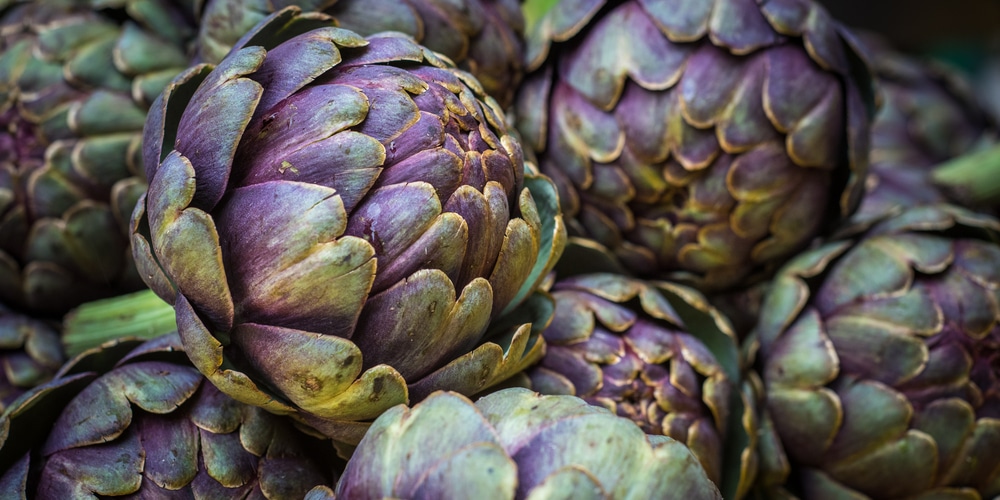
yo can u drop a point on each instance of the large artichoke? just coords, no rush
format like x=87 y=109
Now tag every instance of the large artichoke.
x=30 y=353
x=75 y=84
x=485 y=37
x=928 y=115
x=517 y=444
x=881 y=362
x=708 y=140
x=618 y=342
x=130 y=419
x=337 y=220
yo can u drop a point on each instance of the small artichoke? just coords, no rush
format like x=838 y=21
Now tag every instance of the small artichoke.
x=337 y=221
x=617 y=342
x=880 y=359
x=517 y=444
x=928 y=115
x=137 y=419
x=704 y=140
x=484 y=37
x=30 y=353
x=75 y=84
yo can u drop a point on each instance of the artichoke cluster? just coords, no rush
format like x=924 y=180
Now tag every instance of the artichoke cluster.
x=689 y=249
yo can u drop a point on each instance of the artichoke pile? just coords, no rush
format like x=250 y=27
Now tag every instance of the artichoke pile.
x=689 y=249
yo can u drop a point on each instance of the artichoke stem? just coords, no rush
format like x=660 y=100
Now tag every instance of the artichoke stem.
x=141 y=315
x=974 y=179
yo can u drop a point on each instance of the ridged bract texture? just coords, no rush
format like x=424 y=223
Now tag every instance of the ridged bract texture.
x=881 y=361
x=928 y=115
x=484 y=37
x=30 y=353
x=140 y=420
x=617 y=342
x=337 y=221
x=708 y=140
x=75 y=85
x=517 y=444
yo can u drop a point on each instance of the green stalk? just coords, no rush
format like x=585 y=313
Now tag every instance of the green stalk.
x=534 y=10
x=141 y=314
x=972 y=179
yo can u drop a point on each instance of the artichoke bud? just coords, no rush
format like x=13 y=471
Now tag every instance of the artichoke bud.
x=76 y=80
x=700 y=141
x=30 y=353
x=620 y=343
x=353 y=204
x=516 y=444
x=879 y=361
x=131 y=418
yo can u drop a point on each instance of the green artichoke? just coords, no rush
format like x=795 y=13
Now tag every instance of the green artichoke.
x=880 y=359
x=484 y=37
x=517 y=444
x=337 y=221
x=703 y=140
x=30 y=353
x=928 y=115
x=618 y=342
x=75 y=84
x=136 y=419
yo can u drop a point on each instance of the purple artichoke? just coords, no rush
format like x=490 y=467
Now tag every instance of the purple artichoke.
x=337 y=221
x=880 y=358
x=704 y=140
x=30 y=353
x=131 y=419
x=484 y=37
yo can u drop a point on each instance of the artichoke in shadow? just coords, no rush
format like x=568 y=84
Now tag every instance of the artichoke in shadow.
x=929 y=114
x=880 y=358
x=30 y=353
x=619 y=343
x=707 y=141
x=516 y=443
x=337 y=220
x=137 y=419
x=76 y=81
x=484 y=37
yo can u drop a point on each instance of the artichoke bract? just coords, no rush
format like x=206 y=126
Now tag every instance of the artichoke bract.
x=484 y=37
x=337 y=221
x=137 y=419
x=617 y=342
x=880 y=358
x=928 y=115
x=30 y=353
x=75 y=84
x=703 y=140
x=516 y=443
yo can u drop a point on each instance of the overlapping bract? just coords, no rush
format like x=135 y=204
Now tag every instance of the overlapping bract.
x=484 y=37
x=617 y=342
x=139 y=420
x=880 y=360
x=705 y=139
x=517 y=444
x=337 y=220
x=30 y=353
x=928 y=115
x=75 y=85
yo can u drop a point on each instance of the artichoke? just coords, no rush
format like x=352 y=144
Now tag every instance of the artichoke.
x=517 y=444
x=337 y=220
x=137 y=419
x=928 y=115
x=702 y=140
x=879 y=358
x=618 y=342
x=484 y=37
x=30 y=353
x=75 y=84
